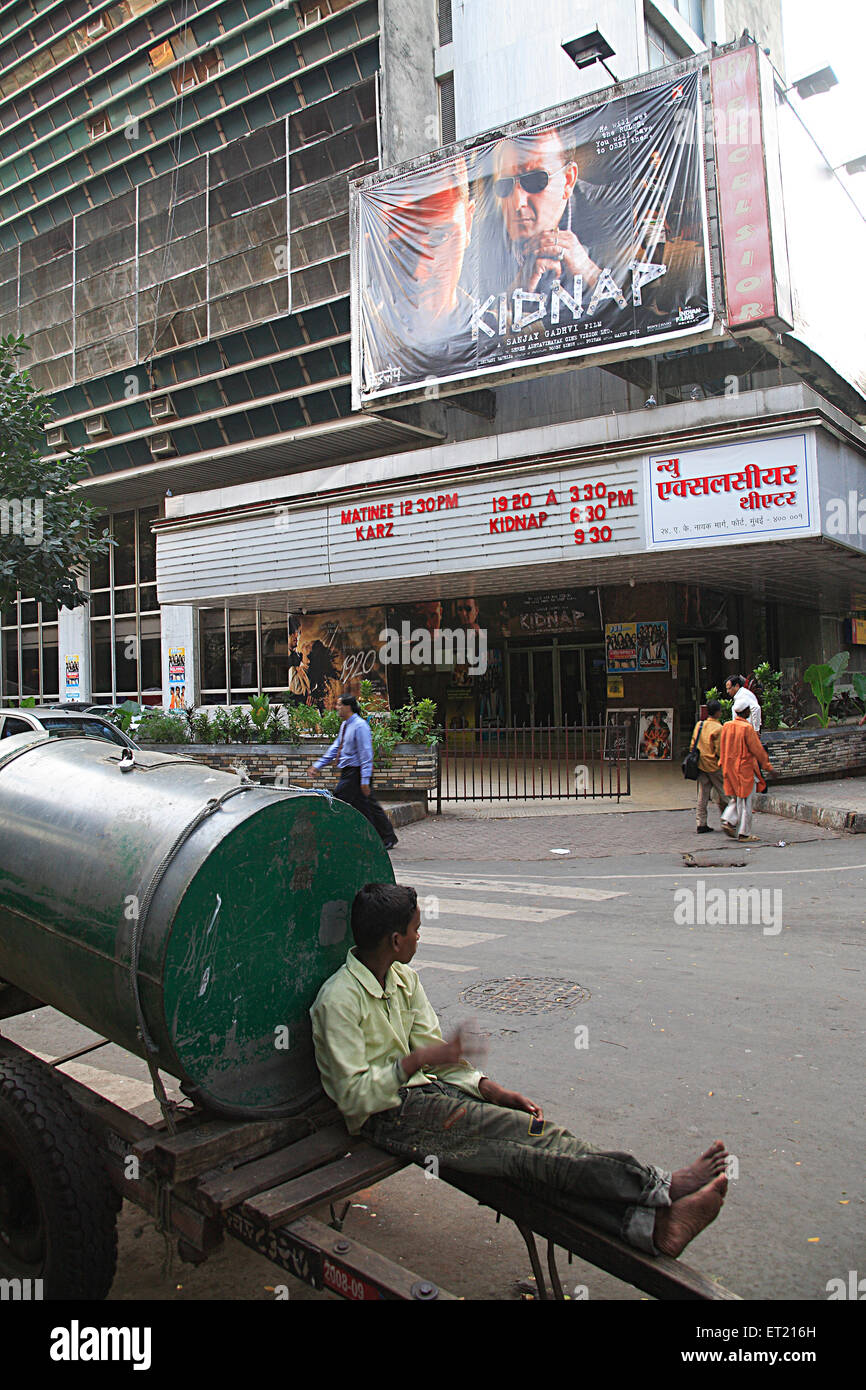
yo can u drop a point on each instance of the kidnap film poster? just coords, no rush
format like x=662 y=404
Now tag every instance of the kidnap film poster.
x=331 y=653
x=578 y=233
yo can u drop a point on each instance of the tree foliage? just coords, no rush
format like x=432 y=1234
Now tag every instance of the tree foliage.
x=47 y=532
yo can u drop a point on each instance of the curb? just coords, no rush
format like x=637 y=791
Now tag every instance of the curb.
x=831 y=817
x=404 y=812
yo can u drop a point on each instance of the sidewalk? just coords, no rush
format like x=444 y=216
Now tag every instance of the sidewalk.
x=839 y=804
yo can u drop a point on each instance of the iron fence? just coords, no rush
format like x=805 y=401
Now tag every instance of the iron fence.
x=533 y=763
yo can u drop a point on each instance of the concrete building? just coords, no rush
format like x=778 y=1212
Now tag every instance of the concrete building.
x=176 y=247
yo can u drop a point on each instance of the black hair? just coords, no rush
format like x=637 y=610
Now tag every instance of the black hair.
x=713 y=707
x=350 y=701
x=738 y=680
x=380 y=909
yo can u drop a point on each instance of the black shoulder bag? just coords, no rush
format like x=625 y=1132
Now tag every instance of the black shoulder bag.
x=692 y=760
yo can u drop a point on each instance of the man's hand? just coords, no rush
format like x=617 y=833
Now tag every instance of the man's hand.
x=560 y=252
x=444 y=1054
x=509 y=1100
x=365 y=788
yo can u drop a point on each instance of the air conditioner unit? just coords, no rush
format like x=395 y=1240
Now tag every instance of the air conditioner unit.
x=95 y=427
x=161 y=445
x=55 y=437
x=96 y=26
x=161 y=408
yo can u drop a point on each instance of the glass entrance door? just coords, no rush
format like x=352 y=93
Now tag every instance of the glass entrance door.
x=556 y=685
x=691 y=670
x=532 y=690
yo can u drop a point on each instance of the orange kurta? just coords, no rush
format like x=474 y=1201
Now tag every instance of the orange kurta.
x=741 y=755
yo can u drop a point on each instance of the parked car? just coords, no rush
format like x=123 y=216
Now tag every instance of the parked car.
x=61 y=723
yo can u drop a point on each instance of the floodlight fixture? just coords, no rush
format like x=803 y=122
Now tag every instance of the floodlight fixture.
x=814 y=83
x=854 y=166
x=588 y=49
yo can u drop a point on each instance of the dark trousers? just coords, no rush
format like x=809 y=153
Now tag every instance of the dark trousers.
x=348 y=789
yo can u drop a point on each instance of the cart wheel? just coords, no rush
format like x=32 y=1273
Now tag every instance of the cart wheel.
x=58 y=1211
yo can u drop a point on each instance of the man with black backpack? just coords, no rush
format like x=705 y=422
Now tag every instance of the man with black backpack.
x=706 y=737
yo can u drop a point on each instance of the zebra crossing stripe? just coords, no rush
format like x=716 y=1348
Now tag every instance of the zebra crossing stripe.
x=518 y=888
x=442 y=936
x=509 y=912
x=440 y=965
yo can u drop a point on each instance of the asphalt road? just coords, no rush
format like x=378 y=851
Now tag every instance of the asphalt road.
x=614 y=988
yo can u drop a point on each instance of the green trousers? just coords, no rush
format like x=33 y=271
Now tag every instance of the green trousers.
x=612 y=1191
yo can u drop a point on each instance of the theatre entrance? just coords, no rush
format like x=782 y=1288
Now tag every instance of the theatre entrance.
x=557 y=683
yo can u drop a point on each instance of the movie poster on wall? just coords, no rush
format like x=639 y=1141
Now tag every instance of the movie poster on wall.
x=655 y=735
x=73 y=677
x=620 y=733
x=580 y=232
x=177 y=678
x=331 y=653
x=653 y=647
x=620 y=647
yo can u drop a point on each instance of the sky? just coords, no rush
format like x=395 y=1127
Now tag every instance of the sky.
x=831 y=33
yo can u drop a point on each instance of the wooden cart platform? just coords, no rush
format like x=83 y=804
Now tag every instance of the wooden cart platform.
x=260 y=1182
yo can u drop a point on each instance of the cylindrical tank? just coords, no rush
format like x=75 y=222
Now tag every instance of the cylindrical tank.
x=179 y=905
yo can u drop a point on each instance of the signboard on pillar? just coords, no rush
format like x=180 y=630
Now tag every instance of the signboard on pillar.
x=751 y=210
x=731 y=493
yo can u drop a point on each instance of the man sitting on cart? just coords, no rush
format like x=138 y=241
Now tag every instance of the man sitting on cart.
x=384 y=1063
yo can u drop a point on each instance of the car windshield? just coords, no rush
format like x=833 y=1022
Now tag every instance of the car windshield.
x=89 y=728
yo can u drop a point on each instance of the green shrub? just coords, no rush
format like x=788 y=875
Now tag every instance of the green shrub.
x=770 y=682
x=822 y=678
x=221 y=726
x=158 y=727
x=201 y=727
x=727 y=705
x=241 y=727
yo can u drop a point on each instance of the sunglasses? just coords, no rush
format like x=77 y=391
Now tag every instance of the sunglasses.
x=533 y=181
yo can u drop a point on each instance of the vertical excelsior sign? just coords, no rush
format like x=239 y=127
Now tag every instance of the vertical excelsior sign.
x=742 y=191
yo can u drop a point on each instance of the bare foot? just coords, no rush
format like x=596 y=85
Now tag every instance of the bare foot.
x=699 y=1173
x=677 y=1225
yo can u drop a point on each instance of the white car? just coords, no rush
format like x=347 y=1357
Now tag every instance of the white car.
x=61 y=724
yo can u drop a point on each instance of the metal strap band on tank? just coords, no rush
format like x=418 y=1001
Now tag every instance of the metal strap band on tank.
x=214 y=804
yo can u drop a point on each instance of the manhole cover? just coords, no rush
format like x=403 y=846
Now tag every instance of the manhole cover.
x=704 y=861
x=522 y=996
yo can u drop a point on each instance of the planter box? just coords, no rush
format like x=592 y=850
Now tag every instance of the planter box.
x=412 y=766
x=811 y=755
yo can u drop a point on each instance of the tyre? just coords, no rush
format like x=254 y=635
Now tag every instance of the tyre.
x=58 y=1210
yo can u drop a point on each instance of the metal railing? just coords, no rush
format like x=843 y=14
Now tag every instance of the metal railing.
x=544 y=762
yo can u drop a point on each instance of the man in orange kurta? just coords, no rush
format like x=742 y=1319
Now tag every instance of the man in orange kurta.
x=741 y=756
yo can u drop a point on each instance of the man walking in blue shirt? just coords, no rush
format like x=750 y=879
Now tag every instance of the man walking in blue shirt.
x=353 y=749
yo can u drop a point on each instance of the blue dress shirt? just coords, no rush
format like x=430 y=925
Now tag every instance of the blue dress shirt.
x=357 y=749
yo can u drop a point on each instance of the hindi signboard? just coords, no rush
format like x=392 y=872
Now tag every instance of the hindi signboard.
x=730 y=492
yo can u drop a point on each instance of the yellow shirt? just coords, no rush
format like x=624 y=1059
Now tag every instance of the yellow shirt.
x=708 y=744
x=361 y=1032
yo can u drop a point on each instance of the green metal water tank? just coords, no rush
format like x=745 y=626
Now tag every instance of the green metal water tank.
x=177 y=909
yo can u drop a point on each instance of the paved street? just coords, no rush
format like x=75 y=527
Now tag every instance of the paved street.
x=751 y=1031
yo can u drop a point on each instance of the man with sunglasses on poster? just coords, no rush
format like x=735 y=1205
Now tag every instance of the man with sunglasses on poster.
x=533 y=184
x=587 y=241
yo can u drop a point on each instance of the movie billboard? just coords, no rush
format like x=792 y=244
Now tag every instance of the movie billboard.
x=578 y=233
x=331 y=653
